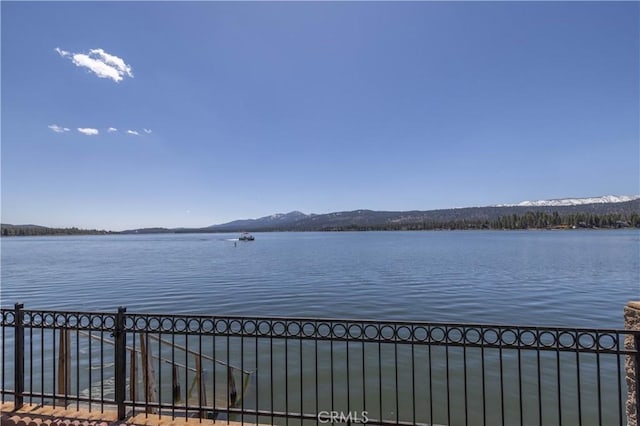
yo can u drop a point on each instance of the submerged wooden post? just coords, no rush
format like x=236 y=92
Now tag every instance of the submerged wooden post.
x=175 y=384
x=148 y=373
x=64 y=365
x=632 y=362
x=231 y=385
x=133 y=376
x=202 y=394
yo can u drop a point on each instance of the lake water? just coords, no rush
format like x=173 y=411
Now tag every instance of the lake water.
x=565 y=278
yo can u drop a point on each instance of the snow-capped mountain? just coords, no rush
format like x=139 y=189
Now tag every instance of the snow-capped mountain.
x=574 y=201
x=275 y=220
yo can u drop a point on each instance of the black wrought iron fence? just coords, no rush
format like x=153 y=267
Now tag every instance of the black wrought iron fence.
x=315 y=371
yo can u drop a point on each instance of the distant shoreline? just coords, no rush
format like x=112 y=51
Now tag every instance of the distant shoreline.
x=110 y=233
x=617 y=215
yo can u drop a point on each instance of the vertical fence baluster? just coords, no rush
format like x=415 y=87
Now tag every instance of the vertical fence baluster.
x=598 y=378
x=429 y=337
x=348 y=368
x=413 y=378
x=19 y=355
x=230 y=383
x=499 y=336
x=381 y=414
x=520 y=400
x=30 y=358
x=42 y=390
x=395 y=369
x=619 y=347
x=257 y=372
x=578 y=385
x=446 y=368
x=301 y=377
x=102 y=330
x=286 y=375
x=77 y=394
x=158 y=388
x=484 y=382
x=241 y=370
x=4 y=355
x=539 y=372
x=176 y=393
x=464 y=378
x=315 y=343
x=64 y=366
x=558 y=369
x=364 y=373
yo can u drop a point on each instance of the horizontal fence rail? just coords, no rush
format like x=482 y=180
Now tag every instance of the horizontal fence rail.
x=315 y=371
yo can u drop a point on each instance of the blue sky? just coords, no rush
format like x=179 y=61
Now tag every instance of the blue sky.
x=256 y=108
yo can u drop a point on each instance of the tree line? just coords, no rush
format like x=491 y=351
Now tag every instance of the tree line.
x=528 y=220
x=26 y=230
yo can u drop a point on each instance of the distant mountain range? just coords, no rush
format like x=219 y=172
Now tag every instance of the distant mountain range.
x=575 y=201
x=273 y=221
x=297 y=221
x=606 y=211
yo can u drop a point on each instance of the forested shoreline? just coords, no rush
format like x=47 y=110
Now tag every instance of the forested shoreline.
x=35 y=230
x=528 y=220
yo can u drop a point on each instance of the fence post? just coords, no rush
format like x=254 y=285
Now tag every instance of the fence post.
x=632 y=362
x=120 y=362
x=637 y=366
x=19 y=355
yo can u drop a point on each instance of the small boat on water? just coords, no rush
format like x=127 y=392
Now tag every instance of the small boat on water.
x=246 y=237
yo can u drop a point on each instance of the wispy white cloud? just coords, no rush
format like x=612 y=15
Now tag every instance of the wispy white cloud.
x=101 y=63
x=58 y=129
x=88 y=131
x=61 y=52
